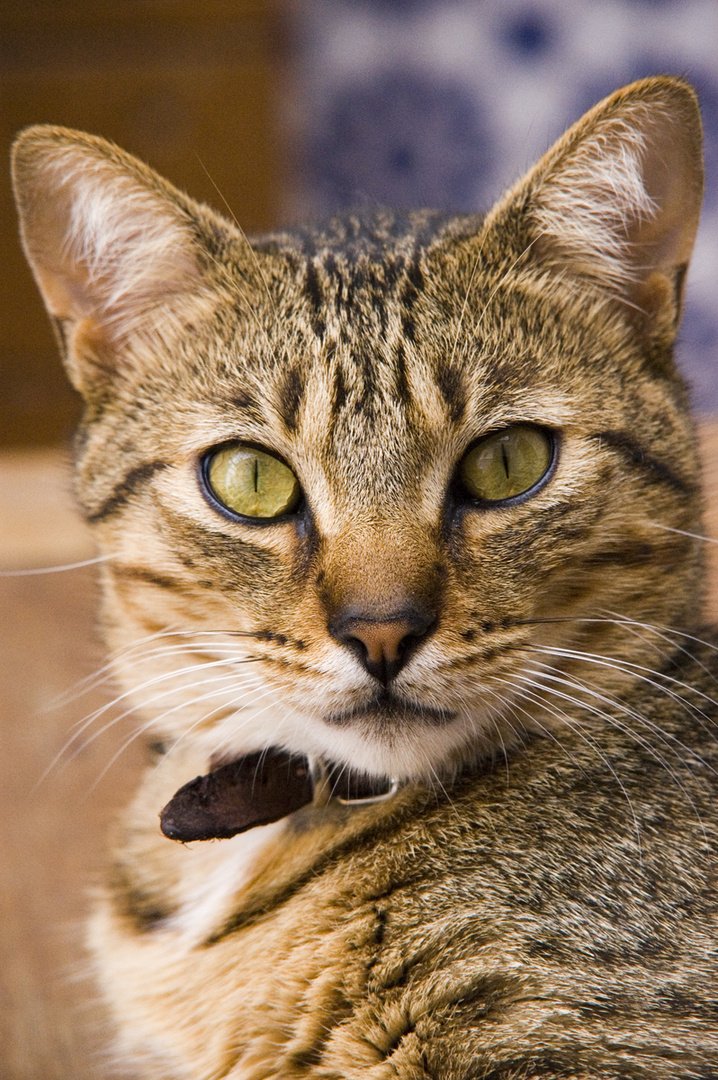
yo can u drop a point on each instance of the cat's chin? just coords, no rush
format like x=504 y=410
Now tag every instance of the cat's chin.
x=386 y=710
x=389 y=736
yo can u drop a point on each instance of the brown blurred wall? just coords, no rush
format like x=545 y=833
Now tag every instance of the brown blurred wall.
x=187 y=85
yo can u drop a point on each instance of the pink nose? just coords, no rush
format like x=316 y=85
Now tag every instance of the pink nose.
x=382 y=640
x=383 y=646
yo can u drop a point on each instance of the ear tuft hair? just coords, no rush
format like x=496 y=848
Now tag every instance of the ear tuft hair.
x=617 y=199
x=106 y=238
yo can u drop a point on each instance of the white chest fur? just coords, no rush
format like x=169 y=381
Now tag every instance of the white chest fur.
x=212 y=873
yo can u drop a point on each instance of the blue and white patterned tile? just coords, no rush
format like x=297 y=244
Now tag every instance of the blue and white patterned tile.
x=446 y=102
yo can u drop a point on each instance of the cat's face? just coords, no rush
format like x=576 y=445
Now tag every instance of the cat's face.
x=394 y=491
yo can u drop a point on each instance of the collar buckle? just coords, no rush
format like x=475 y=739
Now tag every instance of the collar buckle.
x=347 y=787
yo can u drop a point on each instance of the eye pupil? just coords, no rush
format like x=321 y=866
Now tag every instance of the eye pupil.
x=250 y=482
x=506 y=463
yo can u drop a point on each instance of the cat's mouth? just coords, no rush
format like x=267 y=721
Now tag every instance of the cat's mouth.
x=385 y=708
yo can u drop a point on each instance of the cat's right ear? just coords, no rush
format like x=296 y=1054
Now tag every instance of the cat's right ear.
x=112 y=246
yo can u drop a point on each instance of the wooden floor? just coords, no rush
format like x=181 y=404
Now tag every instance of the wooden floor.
x=51 y=833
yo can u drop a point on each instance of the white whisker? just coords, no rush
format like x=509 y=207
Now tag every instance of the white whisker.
x=627 y=667
x=226 y=679
x=683 y=532
x=573 y=724
x=56 y=569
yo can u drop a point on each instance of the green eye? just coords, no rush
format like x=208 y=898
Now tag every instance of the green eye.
x=507 y=463
x=251 y=482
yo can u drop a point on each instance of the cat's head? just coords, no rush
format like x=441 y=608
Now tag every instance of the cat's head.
x=392 y=490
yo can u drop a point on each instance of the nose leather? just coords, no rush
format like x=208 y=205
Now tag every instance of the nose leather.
x=382 y=640
x=383 y=645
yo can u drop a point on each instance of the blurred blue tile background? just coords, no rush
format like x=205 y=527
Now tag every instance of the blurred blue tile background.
x=443 y=103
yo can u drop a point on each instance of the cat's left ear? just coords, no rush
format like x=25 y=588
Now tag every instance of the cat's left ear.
x=617 y=200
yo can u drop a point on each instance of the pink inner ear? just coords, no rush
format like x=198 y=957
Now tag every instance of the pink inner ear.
x=63 y=291
x=103 y=239
x=673 y=180
x=619 y=196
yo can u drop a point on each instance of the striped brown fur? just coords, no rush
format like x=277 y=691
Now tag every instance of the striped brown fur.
x=539 y=897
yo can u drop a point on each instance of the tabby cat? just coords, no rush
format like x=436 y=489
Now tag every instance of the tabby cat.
x=401 y=527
